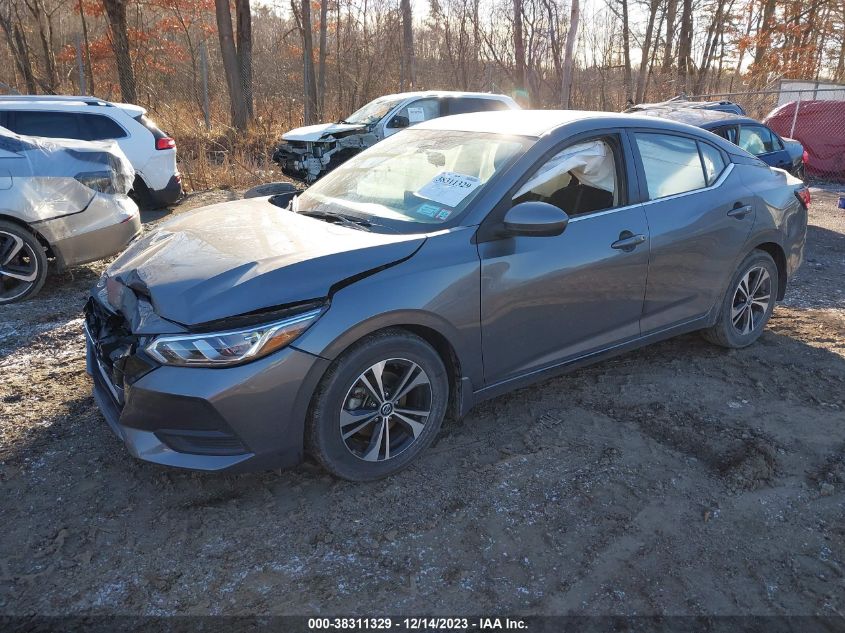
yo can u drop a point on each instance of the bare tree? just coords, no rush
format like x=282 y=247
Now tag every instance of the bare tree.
x=116 y=13
x=569 y=55
x=231 y=66
x=302 y=13
x=518 y=45
x=243 y=43
x=671 y=16
x=626 y=52
x=409 y=63
x=16 y=38
x=685 y=47
x=86 y=42
x=321 y=72
x=654 y=5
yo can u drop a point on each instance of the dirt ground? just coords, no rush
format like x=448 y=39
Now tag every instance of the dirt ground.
x=678 y=479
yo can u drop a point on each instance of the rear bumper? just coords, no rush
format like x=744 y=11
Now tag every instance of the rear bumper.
x=244 y=418
x=104 y=228
x=170 y=194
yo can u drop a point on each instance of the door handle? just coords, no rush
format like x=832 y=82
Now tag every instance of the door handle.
x=739 y=212
x=628 y=241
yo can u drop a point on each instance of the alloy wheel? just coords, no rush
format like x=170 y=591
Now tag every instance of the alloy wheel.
x=751 y=300
x=386 y=409
x=18 y=267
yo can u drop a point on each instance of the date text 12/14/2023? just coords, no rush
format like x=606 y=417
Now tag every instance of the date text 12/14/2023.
x=417 y=624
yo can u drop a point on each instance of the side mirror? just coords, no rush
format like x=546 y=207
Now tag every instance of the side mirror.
x=399 y=121
x=535 y=219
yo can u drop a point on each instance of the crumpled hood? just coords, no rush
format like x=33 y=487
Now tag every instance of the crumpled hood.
x=238 y=257
x=322 y=130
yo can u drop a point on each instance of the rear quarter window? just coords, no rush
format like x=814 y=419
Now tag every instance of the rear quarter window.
x=464 y=105
x=100 y=127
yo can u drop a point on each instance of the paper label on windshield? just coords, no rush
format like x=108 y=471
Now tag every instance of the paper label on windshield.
x=449 y=188
x=415 y=115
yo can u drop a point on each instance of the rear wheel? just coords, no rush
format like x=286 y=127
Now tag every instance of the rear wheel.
x=378 y=407
x=23 y=263
x=748 y=303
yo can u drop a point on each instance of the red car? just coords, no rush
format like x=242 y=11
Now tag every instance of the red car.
x=819 y=128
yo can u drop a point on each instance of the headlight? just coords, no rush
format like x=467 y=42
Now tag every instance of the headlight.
x=220 y=349
x=97 y=180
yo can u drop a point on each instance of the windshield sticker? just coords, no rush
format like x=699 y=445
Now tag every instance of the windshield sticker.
x=415 y=115
x=429 y=210
x=449 y=188
x=443 y=214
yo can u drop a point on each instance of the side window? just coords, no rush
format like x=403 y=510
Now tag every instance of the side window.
x=671 y=164
x=755 y=139
x=420 y=110
x=99 y=127
x=49 y=124
x=463 y=105
x=582 y=178
x=714 y=163
x=728 y=133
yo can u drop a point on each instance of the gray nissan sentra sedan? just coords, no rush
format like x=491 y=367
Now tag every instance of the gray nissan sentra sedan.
x=450 y=263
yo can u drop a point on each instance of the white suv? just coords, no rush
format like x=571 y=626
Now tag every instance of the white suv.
x=151 y=152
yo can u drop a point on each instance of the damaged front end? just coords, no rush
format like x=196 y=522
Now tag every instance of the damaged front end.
x=308 y=153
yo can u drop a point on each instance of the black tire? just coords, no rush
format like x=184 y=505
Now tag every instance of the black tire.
x=353 y=457
x=140 y=193
x=734 y=327
x=20 y=254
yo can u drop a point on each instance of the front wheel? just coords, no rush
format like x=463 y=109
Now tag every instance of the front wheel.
x=748 y=303
x=378 y=407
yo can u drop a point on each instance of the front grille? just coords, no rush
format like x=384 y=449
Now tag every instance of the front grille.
x=114 y=349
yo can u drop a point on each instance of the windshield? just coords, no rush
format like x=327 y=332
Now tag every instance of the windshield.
x=416 y=177
x=373 y=111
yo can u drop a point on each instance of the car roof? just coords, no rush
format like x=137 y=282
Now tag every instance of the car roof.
x=698 y=117
x=445 y=93
x=536 y=123
x=45 y=102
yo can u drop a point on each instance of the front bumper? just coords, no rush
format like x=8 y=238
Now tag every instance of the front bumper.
x=102 y=229
x=244 y=418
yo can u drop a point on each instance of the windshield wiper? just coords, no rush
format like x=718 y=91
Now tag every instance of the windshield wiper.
x=339 y=218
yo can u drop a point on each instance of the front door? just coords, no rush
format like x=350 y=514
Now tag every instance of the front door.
x=545 y=300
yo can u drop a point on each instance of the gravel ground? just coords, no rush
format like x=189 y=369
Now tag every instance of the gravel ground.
x=678 y=479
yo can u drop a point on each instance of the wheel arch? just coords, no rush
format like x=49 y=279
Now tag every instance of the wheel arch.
x=27 y=227
x=777 y=253
x=441 y=336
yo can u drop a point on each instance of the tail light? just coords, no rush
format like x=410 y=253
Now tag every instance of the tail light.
x=803 y=194
x=805 y=157
x=165 y=143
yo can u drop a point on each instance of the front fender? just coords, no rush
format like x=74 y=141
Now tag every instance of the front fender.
x=437 y=288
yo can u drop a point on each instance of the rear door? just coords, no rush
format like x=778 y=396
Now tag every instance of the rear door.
x=545 y=300
x=700 y=214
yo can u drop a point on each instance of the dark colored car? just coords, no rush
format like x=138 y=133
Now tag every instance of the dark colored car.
x=451 y=263
x=681 y=102
x=754 y=137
